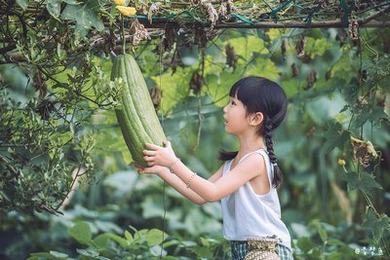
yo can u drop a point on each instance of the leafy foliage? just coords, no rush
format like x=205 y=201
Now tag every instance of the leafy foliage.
x=58 y=133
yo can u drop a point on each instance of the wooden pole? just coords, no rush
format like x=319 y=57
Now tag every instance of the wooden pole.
x=322 y=24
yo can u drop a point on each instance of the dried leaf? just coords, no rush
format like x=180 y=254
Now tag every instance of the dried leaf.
x=154 y=8
x=231 y=56
x=353 y=30
x=156 y=95
x=363 y=152
x=300 y=47
x=294 y=70
x=225 y=9
x=283 y=47
x=211 y=13
x=311 y=79
x=139 y=32
x=196 y=82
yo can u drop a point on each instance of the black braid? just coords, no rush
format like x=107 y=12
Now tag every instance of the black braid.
x=278 y=178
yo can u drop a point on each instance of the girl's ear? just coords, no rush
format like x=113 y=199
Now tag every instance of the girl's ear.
x=256 y=119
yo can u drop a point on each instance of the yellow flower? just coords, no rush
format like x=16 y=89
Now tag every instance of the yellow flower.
x=341 y=162
x=127 y=11
x=120 y=2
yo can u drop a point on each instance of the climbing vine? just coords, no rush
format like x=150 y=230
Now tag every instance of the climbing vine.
x=55 y=89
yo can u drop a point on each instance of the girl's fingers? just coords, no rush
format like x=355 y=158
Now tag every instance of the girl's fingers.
x=147 y=152
x=144 y=170
x=151 y=163
x=152 y=146
x=148 y=158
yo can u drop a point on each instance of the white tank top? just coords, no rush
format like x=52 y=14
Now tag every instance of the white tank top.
x=248 y=215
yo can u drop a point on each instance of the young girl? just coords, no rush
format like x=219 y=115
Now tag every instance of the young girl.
x=246 y=183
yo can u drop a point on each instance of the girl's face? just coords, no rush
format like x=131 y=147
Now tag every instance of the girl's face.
x=235 y=116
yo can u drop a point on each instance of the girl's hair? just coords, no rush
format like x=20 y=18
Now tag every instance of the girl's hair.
x=259 y=94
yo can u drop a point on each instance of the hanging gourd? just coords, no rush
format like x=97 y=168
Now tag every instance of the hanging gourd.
x=135 y=114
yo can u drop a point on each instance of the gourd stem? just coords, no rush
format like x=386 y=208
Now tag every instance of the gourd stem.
x=123 y=34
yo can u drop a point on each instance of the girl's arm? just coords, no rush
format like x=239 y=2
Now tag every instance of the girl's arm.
x=174 y=181
x=246 y=170
x=252 y=166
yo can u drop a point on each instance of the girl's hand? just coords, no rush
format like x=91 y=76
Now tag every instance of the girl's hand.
x=156 y=155
x=149 y=170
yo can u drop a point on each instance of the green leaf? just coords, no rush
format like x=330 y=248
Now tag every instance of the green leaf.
x=316 y=47
x=335 y=137
x=85 y=16
x=274 y=34
x=174 y=87
x=48 y=255
x=22 y=3
x=40 y=255
x=58 y=254
x=306 y=244
x=321 y=231
x=335 y=242
x=120 y=240
x=54 y=7
x=220 y=84
x=368 y=113
x=140 y=234
x=377 y=225
x=344 y=71
x=157 y=250
x=246 y=46
x=88 y=252
x=155 y=236
x=71 y=2
x=365 y=182
x=101 y=240
x=291 y=86
x=263 y=67
x=128 y=235
x=81 y=232
x=204 y=241
x=202 y=252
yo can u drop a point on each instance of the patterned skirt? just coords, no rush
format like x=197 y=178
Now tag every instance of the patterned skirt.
x=267 y=249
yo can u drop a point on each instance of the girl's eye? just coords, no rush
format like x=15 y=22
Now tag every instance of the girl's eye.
x=231 y=102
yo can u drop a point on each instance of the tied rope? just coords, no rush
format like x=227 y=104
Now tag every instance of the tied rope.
x=164 y=183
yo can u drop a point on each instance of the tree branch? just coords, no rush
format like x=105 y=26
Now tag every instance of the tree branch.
x=295 y=24
x=371 y=17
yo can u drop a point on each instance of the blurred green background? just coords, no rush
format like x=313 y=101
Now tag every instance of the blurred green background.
x=57 y=122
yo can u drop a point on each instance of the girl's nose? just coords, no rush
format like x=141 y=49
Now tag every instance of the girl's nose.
x=224 y=109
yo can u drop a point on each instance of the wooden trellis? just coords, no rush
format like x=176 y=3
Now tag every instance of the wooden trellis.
x=265 y=14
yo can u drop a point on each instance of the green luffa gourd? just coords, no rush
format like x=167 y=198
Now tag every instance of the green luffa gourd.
x=135 y=114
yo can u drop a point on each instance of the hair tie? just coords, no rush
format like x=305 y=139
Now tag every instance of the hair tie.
x=274 y=164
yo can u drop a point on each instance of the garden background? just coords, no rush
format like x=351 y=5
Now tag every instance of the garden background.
x=66 y=187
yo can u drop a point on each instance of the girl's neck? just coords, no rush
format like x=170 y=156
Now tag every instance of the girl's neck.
x=248 y=145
